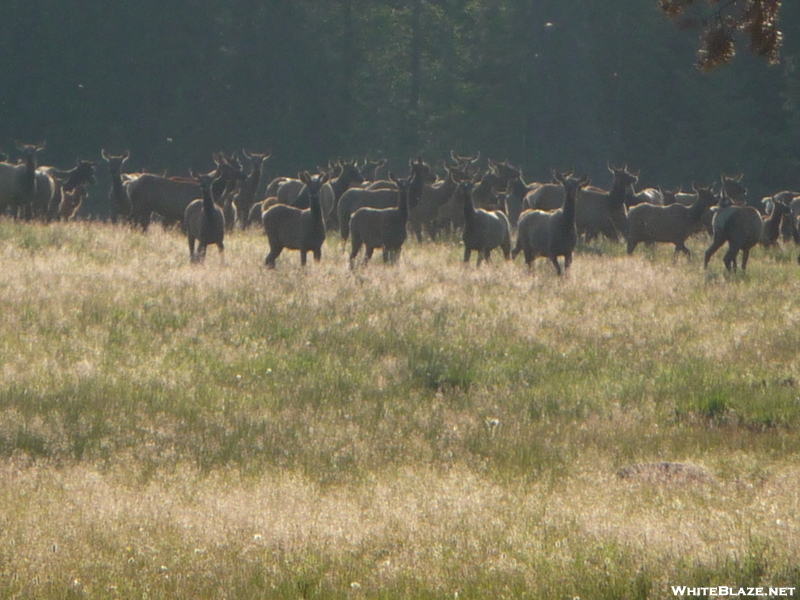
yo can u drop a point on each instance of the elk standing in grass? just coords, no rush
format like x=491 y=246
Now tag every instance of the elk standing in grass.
x=741 y=227
x=295 y=228
x=672 y=224
x=71 y=201
x=773 y=222
x=204 y=221
x=484 y=230
x=18 y=182
x=247 y=189
x=66 y=198
x=169 y=197
x=551 y=234
x=596 y=211
x=381 y=227
x=332 y=191
x=356 y=198
x=117 y=194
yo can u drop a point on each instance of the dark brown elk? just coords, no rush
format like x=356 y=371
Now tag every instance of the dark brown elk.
x=330 y=194
x=245 y=196
x=426 y=214
x=204 y=221
x=552 y=234
x=295 y=228
x=169 y=197
x=383 y=228
x=81 y=175
x=356 y=198
x=598 y=211
x=117 y=194
x=71 y=201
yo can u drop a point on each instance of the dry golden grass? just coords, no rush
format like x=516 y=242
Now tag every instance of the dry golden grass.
x=417 y=431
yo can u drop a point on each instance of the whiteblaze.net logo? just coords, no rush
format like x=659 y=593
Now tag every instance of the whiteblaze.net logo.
x=724 y=590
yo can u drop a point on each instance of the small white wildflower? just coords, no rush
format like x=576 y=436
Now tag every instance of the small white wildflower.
x=355 y=585
x=258 y=537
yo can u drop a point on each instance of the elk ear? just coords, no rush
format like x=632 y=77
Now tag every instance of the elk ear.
x=584 y=181
x=392 y=175
x=125 y=155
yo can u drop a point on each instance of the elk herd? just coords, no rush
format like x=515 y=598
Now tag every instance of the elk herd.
x=488 y=206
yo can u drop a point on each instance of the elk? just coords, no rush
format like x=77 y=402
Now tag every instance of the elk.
x=332 y=191
x=597 y=211
x=18 y=182
x=369 y=168
x=295 y=228
x=383 y=228
x=204 y=221
x=169 y=197
x=81 y=175
x=434 y=196
x=483 y=230
x=672 y=224
x=552 y=234
x=468 y=165
x=773 y=222
x=244 y=198
x=117 y=194
x=740 y=226
x=71 y=201
x=356 y=198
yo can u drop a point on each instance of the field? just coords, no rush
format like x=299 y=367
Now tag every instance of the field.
x=427 y=430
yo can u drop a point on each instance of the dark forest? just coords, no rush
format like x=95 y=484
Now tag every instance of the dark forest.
x=542 y=83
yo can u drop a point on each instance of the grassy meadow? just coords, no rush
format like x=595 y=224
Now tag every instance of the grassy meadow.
x=427 y=430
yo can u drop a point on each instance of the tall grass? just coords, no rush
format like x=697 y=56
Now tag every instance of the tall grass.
x=172 y=430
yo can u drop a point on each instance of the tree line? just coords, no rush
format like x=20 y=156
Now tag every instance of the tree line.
x=543 y=83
